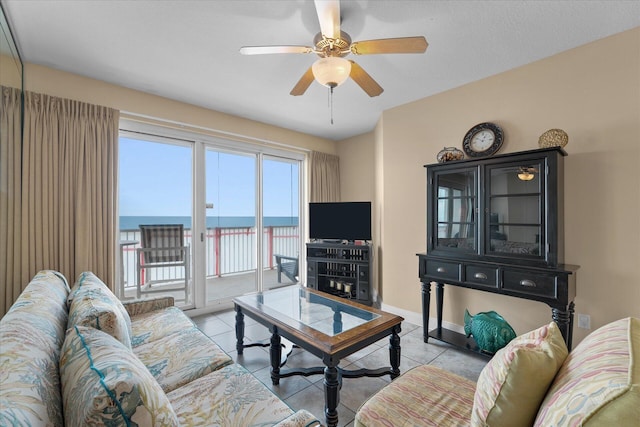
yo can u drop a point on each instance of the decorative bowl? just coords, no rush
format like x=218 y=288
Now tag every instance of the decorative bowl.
x=448 y=154
x=553 y=138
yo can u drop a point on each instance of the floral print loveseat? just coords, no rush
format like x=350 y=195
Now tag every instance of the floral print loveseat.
x=79 y=357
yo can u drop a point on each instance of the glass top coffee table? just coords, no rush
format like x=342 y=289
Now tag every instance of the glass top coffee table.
x=329 y=327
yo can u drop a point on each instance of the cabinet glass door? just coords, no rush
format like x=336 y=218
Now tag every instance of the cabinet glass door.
x=456 y=223
x=514 y=225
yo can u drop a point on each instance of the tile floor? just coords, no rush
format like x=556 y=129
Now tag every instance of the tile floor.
x=307 y=392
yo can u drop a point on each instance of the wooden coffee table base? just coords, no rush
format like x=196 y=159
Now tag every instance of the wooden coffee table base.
x=333 y=374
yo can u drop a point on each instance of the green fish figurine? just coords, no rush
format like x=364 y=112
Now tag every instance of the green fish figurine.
x=489 y=329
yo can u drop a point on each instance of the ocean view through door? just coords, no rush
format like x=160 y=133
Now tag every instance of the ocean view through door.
x=224 y=217
x=155 y=189
x=240 y=243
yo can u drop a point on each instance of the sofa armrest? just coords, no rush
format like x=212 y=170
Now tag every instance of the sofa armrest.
x=302 y=418
x=144 y=306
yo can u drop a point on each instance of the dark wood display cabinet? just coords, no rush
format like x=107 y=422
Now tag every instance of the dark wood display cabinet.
x=340 y=269
x=496 y=224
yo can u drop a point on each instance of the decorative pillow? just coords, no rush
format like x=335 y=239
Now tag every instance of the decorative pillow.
x=513 y=384
x=599 y=383
x=98 y=308
x=92 y=310
x=104 y=383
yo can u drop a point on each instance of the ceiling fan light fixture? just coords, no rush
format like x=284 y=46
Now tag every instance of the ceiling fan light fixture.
x=526 y=174
x=331 y=71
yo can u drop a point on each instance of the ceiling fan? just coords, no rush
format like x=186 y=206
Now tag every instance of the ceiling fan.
x=332 y=45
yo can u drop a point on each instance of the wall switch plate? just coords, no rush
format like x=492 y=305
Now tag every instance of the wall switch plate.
x=584 y=321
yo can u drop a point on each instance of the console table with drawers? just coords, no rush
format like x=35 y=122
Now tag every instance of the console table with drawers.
x=495 y=224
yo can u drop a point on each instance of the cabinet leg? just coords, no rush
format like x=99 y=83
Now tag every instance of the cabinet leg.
x=426 y=301
x=564 y=320
x=439 y=301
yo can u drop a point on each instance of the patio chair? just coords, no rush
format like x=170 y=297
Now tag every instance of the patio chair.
x=287 y=265
x=162 y=246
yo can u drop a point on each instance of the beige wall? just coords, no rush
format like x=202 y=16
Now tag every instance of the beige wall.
x=357 y=183
x=58 y=83
x=10 y=72
x=593 y=93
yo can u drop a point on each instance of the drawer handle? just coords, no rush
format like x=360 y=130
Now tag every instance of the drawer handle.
x=528 y=283
x=480 y=276
x=441 y=270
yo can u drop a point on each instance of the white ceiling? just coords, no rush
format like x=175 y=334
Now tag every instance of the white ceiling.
x=188 y=50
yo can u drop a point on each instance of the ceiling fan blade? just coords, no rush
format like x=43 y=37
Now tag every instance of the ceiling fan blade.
x=329 y=17
x=262 y=50
x=303 y=83
x=364 y=80
x=399 y=45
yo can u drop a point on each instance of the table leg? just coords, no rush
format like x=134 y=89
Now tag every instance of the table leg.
x=337 y=321
x=331 y=395
x=394 y=352
x=239 y=330
x=275 y=352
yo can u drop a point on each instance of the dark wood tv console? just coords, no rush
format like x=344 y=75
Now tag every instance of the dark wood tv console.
x=340 y=269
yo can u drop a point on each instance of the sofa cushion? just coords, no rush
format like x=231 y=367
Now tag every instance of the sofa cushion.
x=103 y=383
x=232 y=397
x=422 y=396
x=514 y=382
x=154 y=325
x=31 y=335
x=599 y=383
x=93 y=304
x=181 y=357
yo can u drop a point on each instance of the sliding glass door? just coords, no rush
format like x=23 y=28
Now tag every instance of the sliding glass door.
x=230 y=187
x=238 y=205
x=281 y=221
x=244 y=249
x=155 y=188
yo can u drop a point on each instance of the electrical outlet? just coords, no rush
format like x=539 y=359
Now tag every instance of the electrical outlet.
x=584 y=321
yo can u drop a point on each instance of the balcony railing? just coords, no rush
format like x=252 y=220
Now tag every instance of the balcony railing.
x=229 y=250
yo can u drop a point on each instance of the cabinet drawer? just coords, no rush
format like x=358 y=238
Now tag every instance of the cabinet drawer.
x=481 y=275
x=531 y=284
x=443 y=270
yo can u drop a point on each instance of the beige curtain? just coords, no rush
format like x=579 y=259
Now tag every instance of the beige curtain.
x=10 y=198
x=325 y=177
x=68 y=192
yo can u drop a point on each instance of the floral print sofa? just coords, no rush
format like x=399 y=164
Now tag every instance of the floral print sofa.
x=80 y=357
x=533 y=381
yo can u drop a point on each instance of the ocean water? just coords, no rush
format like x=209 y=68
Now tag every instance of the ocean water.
x=133 y=222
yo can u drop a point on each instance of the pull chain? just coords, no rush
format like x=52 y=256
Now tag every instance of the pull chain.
x=331 y=102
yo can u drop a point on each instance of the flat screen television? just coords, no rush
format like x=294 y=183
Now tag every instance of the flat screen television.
x=340 y=221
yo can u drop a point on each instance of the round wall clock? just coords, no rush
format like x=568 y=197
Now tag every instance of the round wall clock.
x=482 y=140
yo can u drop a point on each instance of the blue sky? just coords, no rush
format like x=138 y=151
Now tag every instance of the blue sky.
x=155 y=180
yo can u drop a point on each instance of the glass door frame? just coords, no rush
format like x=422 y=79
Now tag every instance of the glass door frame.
x=201 y=139
x=261 y=153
